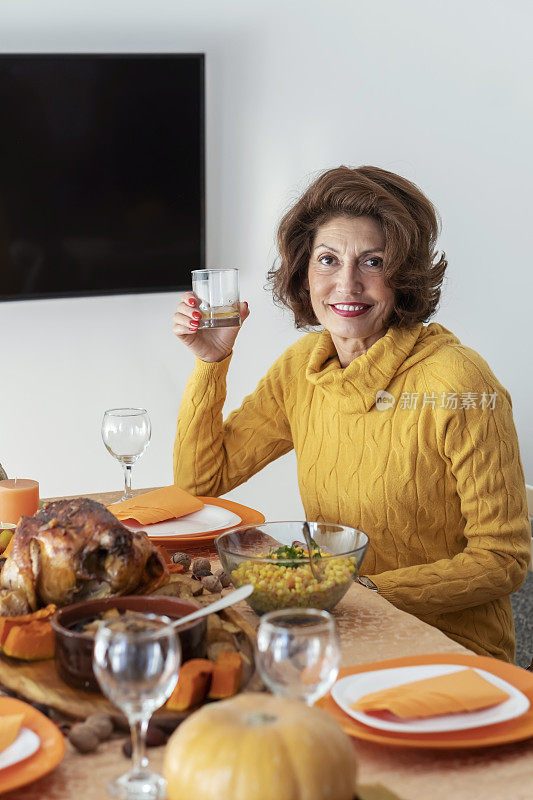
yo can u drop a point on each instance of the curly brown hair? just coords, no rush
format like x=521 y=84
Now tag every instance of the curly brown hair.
x=408 y=219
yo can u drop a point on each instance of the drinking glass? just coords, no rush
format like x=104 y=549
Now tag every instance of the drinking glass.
x=218 y=292
x=126 y=433
x=136 y=660
x=298 y=652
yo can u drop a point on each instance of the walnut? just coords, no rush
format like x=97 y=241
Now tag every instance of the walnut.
x=223 y=578
x=101 y=724
x=212 y=584
x=182 y=558
x=84 y=738
x=201 y=565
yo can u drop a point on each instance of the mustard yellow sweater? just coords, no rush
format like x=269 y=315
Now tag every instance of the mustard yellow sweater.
x=434 y=478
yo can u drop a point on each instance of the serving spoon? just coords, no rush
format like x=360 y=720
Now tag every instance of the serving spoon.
x=228 y=600
x=307 y=537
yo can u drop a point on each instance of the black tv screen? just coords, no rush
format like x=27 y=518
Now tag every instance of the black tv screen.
x=101 y=173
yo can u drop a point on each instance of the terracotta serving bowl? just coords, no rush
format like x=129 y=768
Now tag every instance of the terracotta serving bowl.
x=74 y=650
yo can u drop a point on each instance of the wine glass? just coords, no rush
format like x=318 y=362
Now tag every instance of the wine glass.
x=126 y=433
x=298 y=652
x=136 y=660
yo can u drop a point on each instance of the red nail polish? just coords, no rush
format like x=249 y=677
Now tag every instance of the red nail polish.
x=194 y=325
x=196 y=314
x=191 y=301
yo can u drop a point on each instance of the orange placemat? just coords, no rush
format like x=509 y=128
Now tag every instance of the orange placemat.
x=249 y=516
x=514 y=730
x=48 y=755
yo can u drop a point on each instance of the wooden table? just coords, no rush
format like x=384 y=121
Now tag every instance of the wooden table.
x=370 y=629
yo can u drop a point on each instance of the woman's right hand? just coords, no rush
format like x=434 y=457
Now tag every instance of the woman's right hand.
x=208 y=344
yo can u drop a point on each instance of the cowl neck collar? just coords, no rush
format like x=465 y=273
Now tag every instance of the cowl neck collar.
x=354 y=387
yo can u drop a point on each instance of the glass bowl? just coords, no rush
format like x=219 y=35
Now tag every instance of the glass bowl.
x=274 y=559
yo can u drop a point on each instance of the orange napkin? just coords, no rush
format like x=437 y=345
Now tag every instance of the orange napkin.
x=169 y=502
x=454 y=693
x=10 y=725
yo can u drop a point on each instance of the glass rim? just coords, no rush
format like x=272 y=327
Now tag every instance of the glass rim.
x=104 y=628
x=326 y=620
x=135 y=412
x=283 y=561
x=217 y=269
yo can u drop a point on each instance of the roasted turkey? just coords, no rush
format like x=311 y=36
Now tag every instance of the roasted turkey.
x=73 y=550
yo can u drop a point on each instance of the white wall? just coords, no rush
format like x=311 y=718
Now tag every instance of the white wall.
x=439 y=92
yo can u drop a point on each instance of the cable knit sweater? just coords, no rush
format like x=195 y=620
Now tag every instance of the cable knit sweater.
x=433 y=475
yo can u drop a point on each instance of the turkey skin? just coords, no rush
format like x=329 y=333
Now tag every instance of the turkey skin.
x=74 y=550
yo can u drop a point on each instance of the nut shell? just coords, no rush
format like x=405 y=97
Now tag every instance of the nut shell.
x=202 y=573
x=201 y=565
x=101 y=724
x=182 y=558
x=212 y=584
x=83 y=737
x=223 y=578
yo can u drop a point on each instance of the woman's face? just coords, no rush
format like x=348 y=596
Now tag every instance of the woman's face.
x=346 y=283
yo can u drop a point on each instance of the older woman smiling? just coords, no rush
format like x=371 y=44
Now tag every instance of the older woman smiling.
x=346 y=284
x=398 y=428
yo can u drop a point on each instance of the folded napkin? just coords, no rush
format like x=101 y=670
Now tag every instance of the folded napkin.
x=453 y=693
x=10 y=725
x=169 y=502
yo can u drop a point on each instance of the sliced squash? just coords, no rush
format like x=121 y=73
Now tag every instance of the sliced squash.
x=227 y=676
x=192 y=686
x=34 y=641
x=6 y=623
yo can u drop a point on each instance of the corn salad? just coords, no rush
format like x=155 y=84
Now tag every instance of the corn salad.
x=292 y=585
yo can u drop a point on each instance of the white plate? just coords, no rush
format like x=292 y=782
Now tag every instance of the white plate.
x=209 y=518
x=348 y=690
x=25 y=745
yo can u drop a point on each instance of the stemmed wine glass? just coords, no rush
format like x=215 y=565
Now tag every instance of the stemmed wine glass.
x=126 y=433
x=136 y=660
x=298 y=652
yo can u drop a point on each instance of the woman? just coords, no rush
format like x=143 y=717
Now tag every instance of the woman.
x=398 y=428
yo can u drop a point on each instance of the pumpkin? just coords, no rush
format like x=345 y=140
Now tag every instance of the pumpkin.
x=192 y=686
x=34 y=641
x=259 y=747
x=227 y=676
x=7 y=623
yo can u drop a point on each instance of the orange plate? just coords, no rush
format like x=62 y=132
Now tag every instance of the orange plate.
x=249 y=516
x=48 y=755
x=515 y=730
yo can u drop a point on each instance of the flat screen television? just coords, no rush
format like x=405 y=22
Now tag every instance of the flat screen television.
x=101 y=173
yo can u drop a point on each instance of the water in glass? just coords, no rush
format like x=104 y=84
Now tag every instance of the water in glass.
x=218 y=293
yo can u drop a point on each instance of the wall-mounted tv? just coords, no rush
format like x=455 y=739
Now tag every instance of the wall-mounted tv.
x=101 y=173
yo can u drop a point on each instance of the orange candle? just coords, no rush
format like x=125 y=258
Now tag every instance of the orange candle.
x=18 y=496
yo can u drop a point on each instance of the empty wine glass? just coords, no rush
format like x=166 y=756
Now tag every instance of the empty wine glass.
x=126 y=433
x=298 y=652
x=135 y=661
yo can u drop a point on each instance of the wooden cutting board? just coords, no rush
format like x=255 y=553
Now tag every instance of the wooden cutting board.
x=38 y=681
